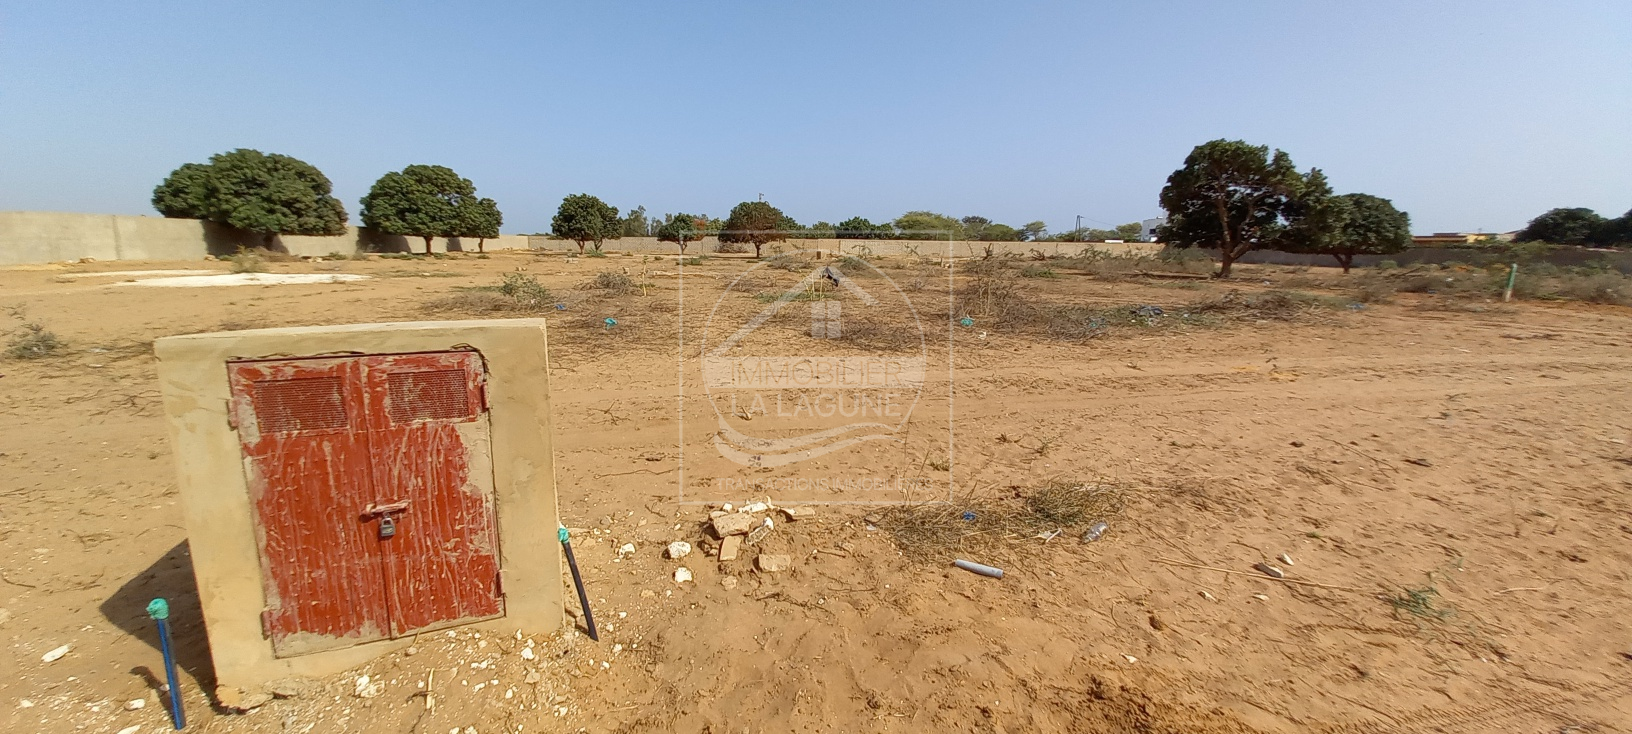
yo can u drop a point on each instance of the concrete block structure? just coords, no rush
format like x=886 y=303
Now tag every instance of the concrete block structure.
x=347 y=487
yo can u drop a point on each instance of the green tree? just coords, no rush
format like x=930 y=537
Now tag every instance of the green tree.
x=635 y=223
x=266 y=194
x=997 y=232
x=858 y=228
x=420 y=201
x=583 y=219
x=974 y=228
x=1129 y=232
x=754 y=223
x=480 y=218
x=1361 y=224
x=1238 y=197
x=1034 y=231
x=1563 y=227
x=919 y=225
x=681 y=229
x=1614 y=232
x=821 y=231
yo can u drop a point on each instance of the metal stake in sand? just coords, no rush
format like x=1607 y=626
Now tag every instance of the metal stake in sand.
x=159 y=610
x=578 y=581
x=1512 y=275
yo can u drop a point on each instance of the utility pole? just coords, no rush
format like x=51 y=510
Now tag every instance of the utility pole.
x=1078 y=230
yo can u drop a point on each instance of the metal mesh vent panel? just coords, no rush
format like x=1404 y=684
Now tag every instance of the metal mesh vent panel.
x=432 y=396
x=301 y=404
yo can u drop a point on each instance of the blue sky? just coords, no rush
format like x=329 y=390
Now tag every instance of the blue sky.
x=1469 y=115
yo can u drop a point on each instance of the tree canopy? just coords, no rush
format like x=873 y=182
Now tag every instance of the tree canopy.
x=1238 y=197
x=480 y=218
x=636 y=224
x=267 y=194
x=426 y=202
x=754 y=223
x=681 y=229
x=1034 y=231
x=1360 y=224
x=858 y=228
x=922 y=225
x=1575 y=226
x=583 y=219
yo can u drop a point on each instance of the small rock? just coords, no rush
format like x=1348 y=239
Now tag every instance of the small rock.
x=55 y=654
x=716 y=513
x=1269 y=570
x=679 y=549
x=798 y=513
x=532 y=677
x=1297 y=444
x=25 y=704
x=284 y=688
x=627 y=549
x=1286 y=559
x=729 y=582
x=1156 y=622
x=528 y=654
x=726 y=507
x=754 y=507
x=1420 y=462
x=366 y=688
x=135 y=704
x=773 y=562
x=732 y=525
x=682 y=575
x=1131 y=658
x=647 y=593
x=1260 y=597
x=131 y=729
x=1207 y=596
x=411 y=651
x=730 y=547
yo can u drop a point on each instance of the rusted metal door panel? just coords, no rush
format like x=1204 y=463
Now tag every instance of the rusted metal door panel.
x=337 y=450
x=308 y=466
x=429 y=431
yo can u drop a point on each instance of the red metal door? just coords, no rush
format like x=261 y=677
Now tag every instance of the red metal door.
x=430 y=443
x=339 y=450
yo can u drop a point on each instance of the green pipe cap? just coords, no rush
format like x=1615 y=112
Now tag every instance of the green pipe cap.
x=562 y=533
x=158 y=609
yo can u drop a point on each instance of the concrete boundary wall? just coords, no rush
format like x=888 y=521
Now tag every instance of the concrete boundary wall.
x=45 y=237
x=926 y=248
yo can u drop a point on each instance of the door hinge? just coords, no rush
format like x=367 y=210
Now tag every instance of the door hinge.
x=498 y=582
x=232 y=416
x=266 y=623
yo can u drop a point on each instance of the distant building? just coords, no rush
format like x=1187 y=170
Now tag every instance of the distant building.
x=1147 y=228
x=1453 y=239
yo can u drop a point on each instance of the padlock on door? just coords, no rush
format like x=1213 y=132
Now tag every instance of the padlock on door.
x=388 y=526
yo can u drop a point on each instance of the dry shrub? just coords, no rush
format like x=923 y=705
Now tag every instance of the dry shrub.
x=515 y=293
x=32 y=341
x=1607 y=287
x=1000 y=527
x=610 y=282
x=1266 y=306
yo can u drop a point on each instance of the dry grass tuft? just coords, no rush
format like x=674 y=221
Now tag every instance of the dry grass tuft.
x=1000 y=527
x=515 y=293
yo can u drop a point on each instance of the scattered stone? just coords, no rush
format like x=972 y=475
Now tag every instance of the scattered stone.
x=528 y=654
x=732 y=525
x=55 y=654
x=679 y=549
x=773 y=562
x=25 y=704
x=1156 y=622
x=628 y=549
x=760 y=533
x=716 y=513
x=1286 y=559
x=1260 y=597
x=754 y=507
x=1131 y=658
x=647 y=593
x=284 y=688
x=135 y=704
x=804 y=512
x=729 y=582
x=1297 y=444
x=131 y=729
x=731 y=546
x=1269 y=570
x=366 y=688
x=726 y=507
x=532 y=677
x=1207 y=596
x=682 y=575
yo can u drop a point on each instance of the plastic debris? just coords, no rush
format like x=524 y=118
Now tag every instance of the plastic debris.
x=968 y=515
x=55 y=654
x=979 y=568
x=966 y=321
x=1095 y=531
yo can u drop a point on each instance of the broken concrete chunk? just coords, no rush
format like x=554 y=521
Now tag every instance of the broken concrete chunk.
x=798 y=513
x=682 y=575
x=773 y=562
x=736 y=524
x=730 y=547
x=755 y=507
x=679 y=549
x=1269 y=570
x=760 y=533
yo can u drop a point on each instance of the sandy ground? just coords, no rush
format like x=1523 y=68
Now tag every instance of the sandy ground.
x=1480 y=453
